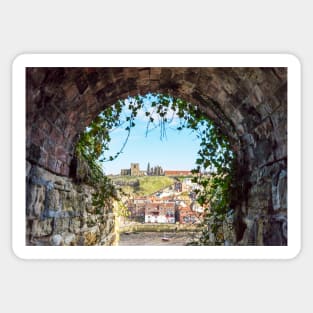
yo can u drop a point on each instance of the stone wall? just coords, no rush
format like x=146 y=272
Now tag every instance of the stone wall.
x=265 y=216
x=60 y=212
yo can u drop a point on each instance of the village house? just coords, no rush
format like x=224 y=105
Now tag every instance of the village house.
x=160 y=213
x=187 y=216
x=167 y=206
x=136 y=208
x=168 y=210
x=138 y=213
x=178 y=186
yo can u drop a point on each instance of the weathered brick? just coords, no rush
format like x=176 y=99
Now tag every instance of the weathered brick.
x=155 y=73
x=81 y=83
x=192 y=75
x=144 y=75
x=130 y=72
x=92 y=78
x=61 y=153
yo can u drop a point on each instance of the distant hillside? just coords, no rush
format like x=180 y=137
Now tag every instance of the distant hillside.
x=142 y=186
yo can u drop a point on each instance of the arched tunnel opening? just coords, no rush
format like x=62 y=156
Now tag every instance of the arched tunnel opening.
x=185 y=190
x=249 y=105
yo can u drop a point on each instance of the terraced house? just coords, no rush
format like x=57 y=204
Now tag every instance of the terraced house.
x=160 y=212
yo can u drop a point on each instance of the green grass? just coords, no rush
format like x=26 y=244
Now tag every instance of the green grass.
x=151 y=184
x=147 y=184
x=181 y=178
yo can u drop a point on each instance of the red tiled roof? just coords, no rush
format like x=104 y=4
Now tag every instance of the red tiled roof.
x=177 y=172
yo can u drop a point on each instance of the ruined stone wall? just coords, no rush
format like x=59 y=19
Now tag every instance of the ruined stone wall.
x=60 y=212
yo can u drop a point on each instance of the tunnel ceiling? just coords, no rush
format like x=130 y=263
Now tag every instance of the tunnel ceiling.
x=248 y=104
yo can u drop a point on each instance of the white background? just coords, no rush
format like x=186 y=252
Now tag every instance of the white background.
x=162 y=26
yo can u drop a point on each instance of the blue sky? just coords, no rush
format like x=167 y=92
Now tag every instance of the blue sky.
x=178 y=151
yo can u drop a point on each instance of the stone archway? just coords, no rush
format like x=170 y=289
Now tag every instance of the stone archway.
x=248 y=104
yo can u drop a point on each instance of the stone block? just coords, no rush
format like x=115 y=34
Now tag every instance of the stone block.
x=264 y=130
x=248 y=140
x=271 y=82
x=61 y=225
x=81 y=83
x=155 y=73
x=38 y=136
x=279 y=192
x=260 y=197
x=143 y=76
x=41 y=228
x=56 y=137
x=203 y=82
x=281 y=150
x=273 y=234
x=37 y=154
x=61 y=123
x=28 y=168
x=69 y=239
x=279 y=120
x=92 y=78
x=213 y=88
x=236 y=116
x=90 y=239
x=75 y=225
x=256 y=97
x=192 y=75
x=130 y=72
x=35 y=203
x=230 y=85
x=65 y=170
x=144 y=89
x=70 y=91
x=186 y=88
x=55 y=76
x=281 y=72
x=223 y=99
x=56 y=240
x=117 y=72
x=45 y=126
x=52 y=201
x=252 y=117
x=132 y=86
x=61 y=153
x=260 y=232
x=154 y=86
x=37 y=75
x=264 y=152
x=165 y=75
x=122 y=86
x=265 y=108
